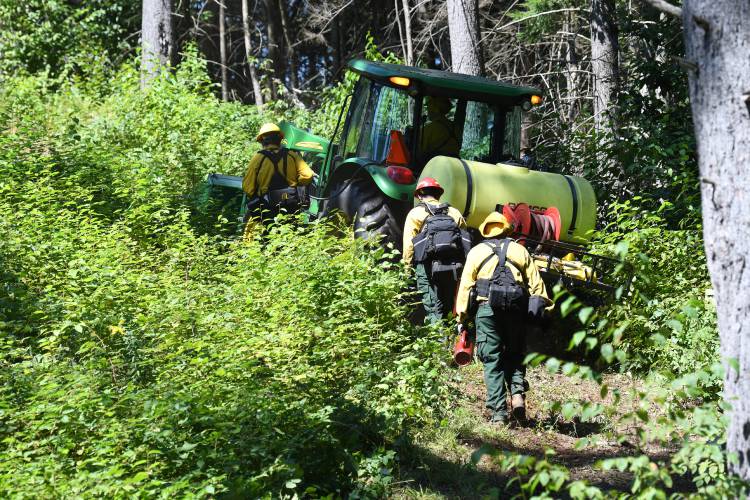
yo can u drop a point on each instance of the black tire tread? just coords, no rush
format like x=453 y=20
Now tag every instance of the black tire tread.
x=368 y=208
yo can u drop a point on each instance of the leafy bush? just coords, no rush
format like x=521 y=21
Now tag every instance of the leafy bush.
x=144 y=355
x=669 y=316
x=64 y=38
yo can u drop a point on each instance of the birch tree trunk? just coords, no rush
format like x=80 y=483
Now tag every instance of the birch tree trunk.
x=223 y=50
x=463 y=29
x=157 y=38
x=571 y=64
x=717 y=43
x=257 y=94
x=407 y=32
x=604 y=64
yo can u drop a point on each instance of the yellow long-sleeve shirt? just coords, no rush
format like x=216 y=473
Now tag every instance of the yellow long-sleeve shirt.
x=298 y=172
x=517 y=259
x=440 y=136
x=414 y=222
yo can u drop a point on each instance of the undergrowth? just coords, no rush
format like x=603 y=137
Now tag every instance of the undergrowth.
x=144 y=354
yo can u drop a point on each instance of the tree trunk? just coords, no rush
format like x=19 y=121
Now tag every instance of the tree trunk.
x=288 y=48
x=466 y=57
x=407 y=33
x=463 y=29
x=258 y=95
x=604 y=64
x=157 y=38
x=223 y=50
x=571 y=63
x=717 y=43
x=275 y=43
x=338 y=47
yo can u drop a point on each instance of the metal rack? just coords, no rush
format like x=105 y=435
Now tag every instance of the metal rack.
x=606 y=276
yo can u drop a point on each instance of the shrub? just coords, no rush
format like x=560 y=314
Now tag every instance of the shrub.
x=143 y=354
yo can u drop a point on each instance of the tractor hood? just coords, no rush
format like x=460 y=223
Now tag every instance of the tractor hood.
x=300 y=140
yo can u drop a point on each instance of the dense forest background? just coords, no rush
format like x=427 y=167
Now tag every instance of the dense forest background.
x=147 y=351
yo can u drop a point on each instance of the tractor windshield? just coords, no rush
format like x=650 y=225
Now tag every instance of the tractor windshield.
x=431 y=126
x=376 y=111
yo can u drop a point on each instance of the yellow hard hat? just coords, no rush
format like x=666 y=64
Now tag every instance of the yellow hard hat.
x=495 y=225
x=268 y=128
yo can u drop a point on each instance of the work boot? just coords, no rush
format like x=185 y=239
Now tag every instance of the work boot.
x=499 y=418
x=518 y=403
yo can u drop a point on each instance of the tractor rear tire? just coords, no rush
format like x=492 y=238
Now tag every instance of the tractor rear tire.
x=374 y=214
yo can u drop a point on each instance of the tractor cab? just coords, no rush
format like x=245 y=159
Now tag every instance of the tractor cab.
x=431 y=113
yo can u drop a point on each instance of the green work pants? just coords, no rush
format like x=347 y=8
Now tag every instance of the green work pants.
x=501 y=346
x=438 y=294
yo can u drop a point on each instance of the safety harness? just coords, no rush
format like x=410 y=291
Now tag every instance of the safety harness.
x=280 y=194
x=502 y=290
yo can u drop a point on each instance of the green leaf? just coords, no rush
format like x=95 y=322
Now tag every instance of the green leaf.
x=585 y=315
x=569 y=305
x=577 y=339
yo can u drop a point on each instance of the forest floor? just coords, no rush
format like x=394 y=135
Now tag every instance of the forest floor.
x=440 y=465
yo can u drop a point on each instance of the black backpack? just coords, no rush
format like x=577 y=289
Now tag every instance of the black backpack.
x=441 y=243
x=502 y=290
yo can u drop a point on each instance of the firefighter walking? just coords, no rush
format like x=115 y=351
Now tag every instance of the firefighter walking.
x=272 y=177
x=435 y=243
x=508 y=290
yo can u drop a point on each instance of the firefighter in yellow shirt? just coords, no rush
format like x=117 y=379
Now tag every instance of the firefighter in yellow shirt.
x=436 y=246
x=508 y=290
x=273 y=175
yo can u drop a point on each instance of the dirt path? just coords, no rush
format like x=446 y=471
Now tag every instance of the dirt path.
x=441 y=467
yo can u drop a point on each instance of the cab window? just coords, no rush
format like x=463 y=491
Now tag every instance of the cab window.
x=387 y=109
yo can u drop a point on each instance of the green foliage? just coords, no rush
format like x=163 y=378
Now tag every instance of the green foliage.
x=536 y=478
x=140 y=153
x=652 y=152
x=145 y=356
x=64 y=38
x=669 y=312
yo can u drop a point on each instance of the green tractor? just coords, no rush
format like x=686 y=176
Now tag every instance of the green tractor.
x=391 y=137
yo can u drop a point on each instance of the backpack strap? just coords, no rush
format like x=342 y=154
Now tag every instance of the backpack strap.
x=431 y=212
x=278 y=161
x=487 y=259
x=285 y=155
x=503 y=253
x=499 y=250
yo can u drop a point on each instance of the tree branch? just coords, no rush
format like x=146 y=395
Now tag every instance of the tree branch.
x=665 y=7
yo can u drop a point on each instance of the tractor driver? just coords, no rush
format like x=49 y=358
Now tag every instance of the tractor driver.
x=439 y=135
x=273 y=175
